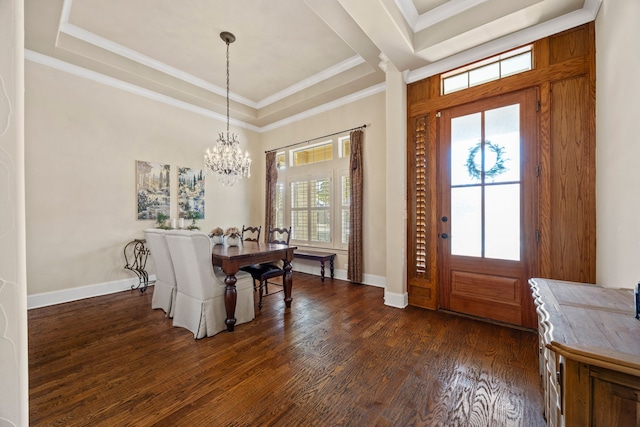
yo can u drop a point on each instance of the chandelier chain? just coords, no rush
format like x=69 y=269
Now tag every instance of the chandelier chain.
x=227 y=88
x=225 y=160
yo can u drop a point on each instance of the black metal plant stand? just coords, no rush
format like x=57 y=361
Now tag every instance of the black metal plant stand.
x=137 y=252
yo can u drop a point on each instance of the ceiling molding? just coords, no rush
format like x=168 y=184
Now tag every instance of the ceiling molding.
x=118 y=49
x=75 y=70
x=343 y=66
x=63 y=66
x=373 y=30
x=79 y=33
x=438 y=14
x=373 y=90
x=528 y=35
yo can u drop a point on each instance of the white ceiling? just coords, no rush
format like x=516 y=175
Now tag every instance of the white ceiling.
x=290 y=56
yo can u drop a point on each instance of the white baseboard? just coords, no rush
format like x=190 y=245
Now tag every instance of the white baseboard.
x=74 y=294
x=314 y=268
x=67 y=295
x=393 y=299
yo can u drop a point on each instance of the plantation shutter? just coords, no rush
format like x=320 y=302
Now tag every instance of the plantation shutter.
x=420 y=271
x=419 y=261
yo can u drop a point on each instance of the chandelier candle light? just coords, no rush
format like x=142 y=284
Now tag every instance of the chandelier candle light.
x=225 y=160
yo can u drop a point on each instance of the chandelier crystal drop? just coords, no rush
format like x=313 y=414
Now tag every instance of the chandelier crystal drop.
x=226 y=160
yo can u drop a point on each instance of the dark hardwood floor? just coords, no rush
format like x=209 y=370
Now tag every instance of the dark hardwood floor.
x=339 y=356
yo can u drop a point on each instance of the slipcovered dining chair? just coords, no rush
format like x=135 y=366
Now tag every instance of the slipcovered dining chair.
x=199 y=305
x=263 y=272
x=164 y=289
x=251 y=234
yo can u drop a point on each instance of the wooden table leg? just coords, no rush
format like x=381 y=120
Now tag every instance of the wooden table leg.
x=288 y=283
x=322 y=270
x=331 y=266
x=230 y=297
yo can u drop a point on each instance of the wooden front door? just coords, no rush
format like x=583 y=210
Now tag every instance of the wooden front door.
x=487 y=231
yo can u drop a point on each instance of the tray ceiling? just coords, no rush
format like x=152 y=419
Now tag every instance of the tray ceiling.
x=290 y=56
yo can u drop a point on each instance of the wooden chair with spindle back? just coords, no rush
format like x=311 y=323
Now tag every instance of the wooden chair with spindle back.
x=251 y=234
x=263 y=272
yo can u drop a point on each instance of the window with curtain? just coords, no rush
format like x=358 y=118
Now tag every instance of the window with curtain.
x=310 y=193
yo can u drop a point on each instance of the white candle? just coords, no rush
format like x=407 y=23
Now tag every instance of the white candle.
x=181 y=222
x=173 y=223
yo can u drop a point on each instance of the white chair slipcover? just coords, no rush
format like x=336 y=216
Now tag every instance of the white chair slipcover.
x=199 y=305
x=164 y=290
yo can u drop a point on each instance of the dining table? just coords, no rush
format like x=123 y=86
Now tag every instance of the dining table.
x=232 y=258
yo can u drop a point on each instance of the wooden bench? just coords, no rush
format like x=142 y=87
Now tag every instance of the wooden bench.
x=317 y=256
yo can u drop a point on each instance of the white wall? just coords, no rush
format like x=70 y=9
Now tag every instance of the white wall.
x=618 y=143
x=14 y=387
x=82 y=141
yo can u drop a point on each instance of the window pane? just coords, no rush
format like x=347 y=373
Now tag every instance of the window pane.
x=346 y=191
x=319 y=153
x=466 y=225
x=454 y=83
x=320 y=225
x=279 y=195
x=320 y=192
x=502 y=221
x=300 y=225
x=280 y=219
x=300 y=158
x=345 y=225
x=279 y=205
x=280 y=161
x=502 y=144
x=466 y=157
x=516 y=64
x=346 y=147
x=484 y=74
x=299 y=195
x=486 y=70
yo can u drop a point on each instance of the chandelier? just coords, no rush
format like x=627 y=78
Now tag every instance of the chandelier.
x=225 y=160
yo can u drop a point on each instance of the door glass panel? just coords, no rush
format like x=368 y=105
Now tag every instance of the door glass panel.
x=466 y=133
x=466 y=221
x=502 y=144
x=502 y=223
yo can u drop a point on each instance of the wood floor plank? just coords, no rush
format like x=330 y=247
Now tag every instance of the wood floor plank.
x=339 y=356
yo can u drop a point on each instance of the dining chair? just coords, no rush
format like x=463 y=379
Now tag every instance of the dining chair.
x=251 y=234
x=164 y=289
x=200 y=305
x=263 y=272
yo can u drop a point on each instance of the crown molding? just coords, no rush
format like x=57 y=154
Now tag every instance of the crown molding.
x=79 y=33
x=528 y=35
x=438 y=14
x=128 y=87
x=327 y=107
x=63 y=66
x=341 y=67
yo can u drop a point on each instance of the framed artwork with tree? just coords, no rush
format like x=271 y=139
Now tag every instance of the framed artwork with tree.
x=190 y=193
x=153 y=189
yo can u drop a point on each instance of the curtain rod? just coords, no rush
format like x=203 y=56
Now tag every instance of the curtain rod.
x=314 y=139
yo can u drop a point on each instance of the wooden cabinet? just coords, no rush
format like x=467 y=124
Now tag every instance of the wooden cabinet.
x=589 y=354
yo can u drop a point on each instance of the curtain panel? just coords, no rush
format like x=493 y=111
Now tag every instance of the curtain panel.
x=354 y=271
x=270 y=192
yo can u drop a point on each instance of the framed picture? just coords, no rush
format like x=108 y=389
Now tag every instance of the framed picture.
x=190 y=193
x=152 y=186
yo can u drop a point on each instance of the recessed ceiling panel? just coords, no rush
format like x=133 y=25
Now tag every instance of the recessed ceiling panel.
x=272 y=51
